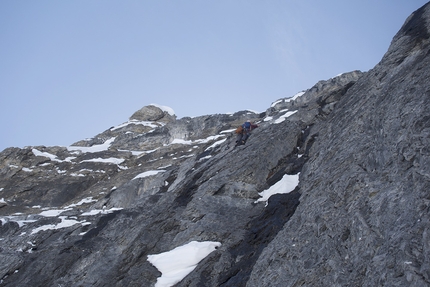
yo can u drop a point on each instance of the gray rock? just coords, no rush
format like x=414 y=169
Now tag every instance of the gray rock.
x=89 y=215
x=363 y=217
x=152 y=114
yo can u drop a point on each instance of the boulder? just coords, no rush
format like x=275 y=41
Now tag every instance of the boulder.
x=153 y=114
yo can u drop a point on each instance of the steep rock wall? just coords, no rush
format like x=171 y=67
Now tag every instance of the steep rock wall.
x=363 y=219
x=90 y=214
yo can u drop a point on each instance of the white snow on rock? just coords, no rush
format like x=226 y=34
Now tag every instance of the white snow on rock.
x=105 y=160
x=181 y=141
x=98 y=211
x=83 y=201
x=286 y=185
x=299 y=94
x=295 y=96
x=200 y=141
x=169 y=110
x=148 y=173
x=179 y=262
x=284 y=116
x=208 y=139
x=205 y=158
x=53 y=212
x=227 y=131
x=22 y=219
x=64 y=223
x=45 y=154
x=275 y=103
x=217 y=143
x=135 y=122
x=51 y=156
x=95 y=148
x=252 y=111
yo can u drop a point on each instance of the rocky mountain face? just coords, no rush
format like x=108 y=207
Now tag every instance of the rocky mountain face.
x=90 y=214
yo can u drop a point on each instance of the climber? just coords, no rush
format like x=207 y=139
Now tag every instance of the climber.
x=244 y=131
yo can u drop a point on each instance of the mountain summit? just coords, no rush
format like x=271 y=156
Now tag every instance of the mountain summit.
x=331 y=189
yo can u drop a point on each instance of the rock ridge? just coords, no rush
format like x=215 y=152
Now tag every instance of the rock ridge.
x=347 y=162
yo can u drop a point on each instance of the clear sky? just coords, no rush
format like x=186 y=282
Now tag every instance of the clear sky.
x=72 y=69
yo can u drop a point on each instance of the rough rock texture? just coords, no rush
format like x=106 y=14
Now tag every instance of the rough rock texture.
x=89 y=214
x=363 y=219
x=152 y=113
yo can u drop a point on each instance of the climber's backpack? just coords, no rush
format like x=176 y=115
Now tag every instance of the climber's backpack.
x=239 y=130
x=247 y=126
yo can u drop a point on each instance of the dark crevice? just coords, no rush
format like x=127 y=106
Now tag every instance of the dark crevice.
x=332 y=98
x=220 y=190
x=101 y=224
x=261 y=230
x=309 y=144
x=294 y=161
x=186 y=193
x=169 y=181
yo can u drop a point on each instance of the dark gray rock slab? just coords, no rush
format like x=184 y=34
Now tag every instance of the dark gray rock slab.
x=89 y=215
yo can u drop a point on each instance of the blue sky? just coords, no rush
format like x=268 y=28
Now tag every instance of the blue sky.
x=72 y=69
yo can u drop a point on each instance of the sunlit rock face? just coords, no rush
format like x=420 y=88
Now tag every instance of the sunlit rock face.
x=332 y=189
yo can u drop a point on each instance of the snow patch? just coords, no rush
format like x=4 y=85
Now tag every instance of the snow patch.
x=45 y=154
x=205 y=157
x=295 y=97
x=105 y=160
x=200 y=141
x=136 y=152
x=287 y=184
x=98 y=211
x=284 y=116
x=217 y=143
x=252 y=111
x=299 y=94
x=83 y=201
x=181 y=141
x=179 y=262
x=227 y=131
x=53 y=212
x=63 y=224
x=95 y=148
x=275 y=103
x=148 y=173
x=135 y=122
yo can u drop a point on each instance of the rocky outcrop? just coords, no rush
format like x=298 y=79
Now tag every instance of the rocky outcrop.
x=325 y=94
x=90 y=214
x=153 y=113
x=364 y=209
